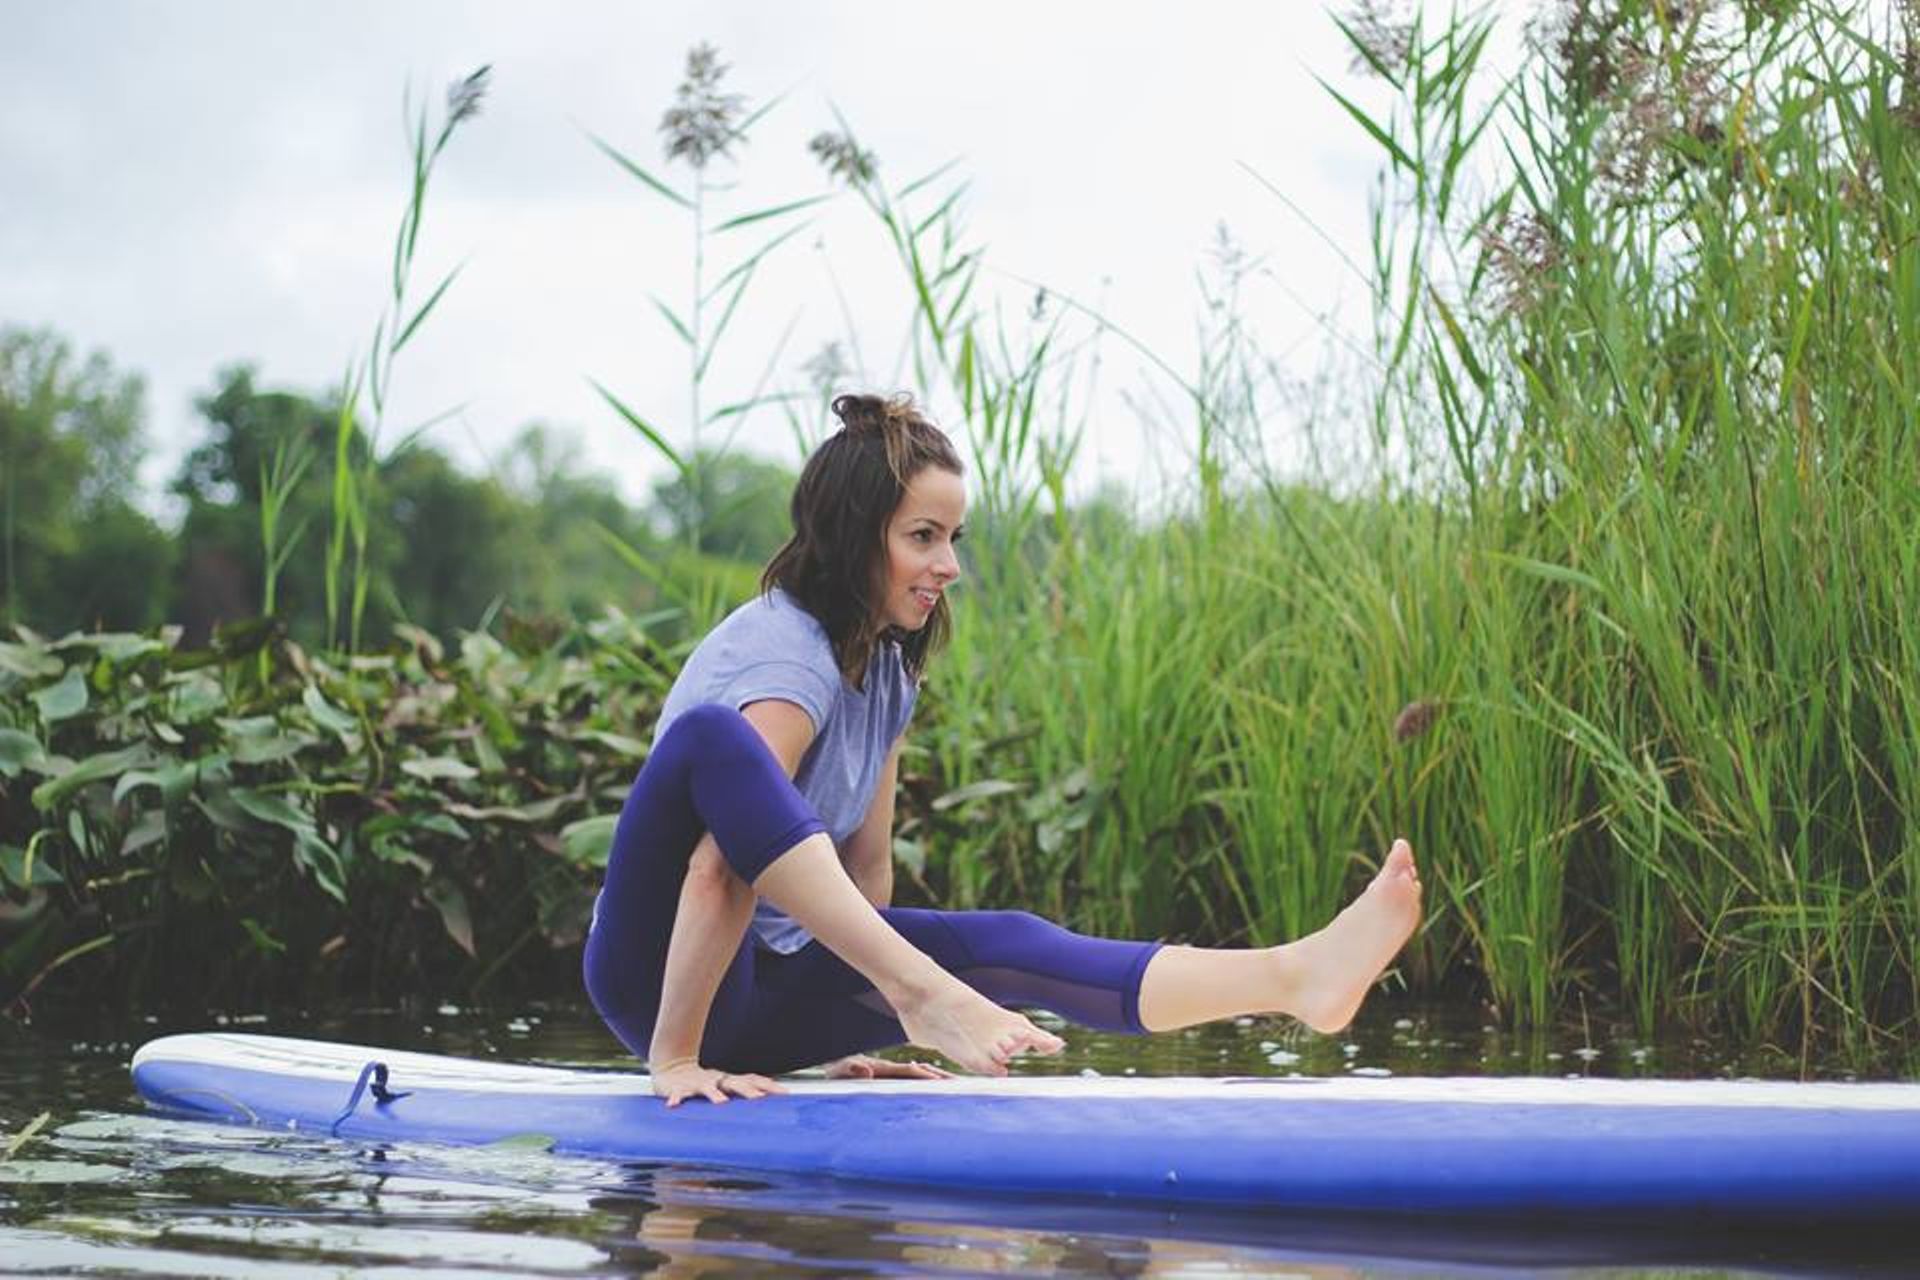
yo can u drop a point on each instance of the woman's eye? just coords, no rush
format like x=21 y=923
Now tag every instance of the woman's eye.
x=923 y=535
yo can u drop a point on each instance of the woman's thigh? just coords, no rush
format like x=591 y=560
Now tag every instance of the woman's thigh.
x=626 y=951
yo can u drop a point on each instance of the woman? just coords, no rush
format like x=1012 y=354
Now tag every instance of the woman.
x=744 y=928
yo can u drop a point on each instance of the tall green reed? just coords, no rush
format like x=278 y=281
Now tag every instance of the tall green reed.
x=699 y=127
x=1665 y=364
x=356 y=455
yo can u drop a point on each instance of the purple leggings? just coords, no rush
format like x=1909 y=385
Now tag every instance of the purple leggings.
x=711 y=771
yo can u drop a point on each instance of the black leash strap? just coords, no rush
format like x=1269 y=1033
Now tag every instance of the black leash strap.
x=372 y=1076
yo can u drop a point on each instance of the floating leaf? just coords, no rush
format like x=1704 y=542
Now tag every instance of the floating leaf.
x=54 y=1172
x=523 y=1142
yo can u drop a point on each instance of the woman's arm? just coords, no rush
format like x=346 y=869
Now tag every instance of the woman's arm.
x=868 y=852
x=715 y=908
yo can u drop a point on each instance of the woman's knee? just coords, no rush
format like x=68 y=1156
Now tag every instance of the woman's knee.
x=705 y=727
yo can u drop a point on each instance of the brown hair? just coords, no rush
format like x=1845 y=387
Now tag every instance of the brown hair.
x=833 y=564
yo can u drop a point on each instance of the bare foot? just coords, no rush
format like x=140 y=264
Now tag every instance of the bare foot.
x=974 y=1031
x=1327 y=974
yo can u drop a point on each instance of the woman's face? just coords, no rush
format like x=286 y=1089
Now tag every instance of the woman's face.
x=920 y=562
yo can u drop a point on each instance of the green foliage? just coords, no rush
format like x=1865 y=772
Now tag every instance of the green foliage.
x=74 y=550
x=728 y=504
x=1611 y=613
x=413 y=812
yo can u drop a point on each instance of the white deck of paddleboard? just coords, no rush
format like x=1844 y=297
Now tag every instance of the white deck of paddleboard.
x=326 y=1060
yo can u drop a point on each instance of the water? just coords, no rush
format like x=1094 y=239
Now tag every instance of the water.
x=103 y=1187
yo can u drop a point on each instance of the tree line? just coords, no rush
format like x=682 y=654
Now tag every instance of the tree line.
x=542 y=533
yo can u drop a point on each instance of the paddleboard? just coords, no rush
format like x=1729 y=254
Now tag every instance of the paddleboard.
x=1586 y=1148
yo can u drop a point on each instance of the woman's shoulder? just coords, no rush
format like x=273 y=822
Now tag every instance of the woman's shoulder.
x=777 y=618
x=771 y=628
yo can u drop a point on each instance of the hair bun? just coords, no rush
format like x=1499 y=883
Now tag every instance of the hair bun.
x=876 y=415
x=860 y=414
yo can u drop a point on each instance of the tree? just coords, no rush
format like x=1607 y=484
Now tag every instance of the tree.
x=74 y=549
x=738 y=509
x=222 y=569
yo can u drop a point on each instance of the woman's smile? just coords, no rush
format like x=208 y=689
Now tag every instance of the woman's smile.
x=921 y=563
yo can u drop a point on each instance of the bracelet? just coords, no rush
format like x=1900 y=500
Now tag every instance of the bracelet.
x=672 y=1064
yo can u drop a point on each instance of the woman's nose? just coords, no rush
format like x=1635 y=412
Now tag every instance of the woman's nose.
x=948 y=565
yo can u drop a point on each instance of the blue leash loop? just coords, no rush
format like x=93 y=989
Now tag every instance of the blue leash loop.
x=374 y=1076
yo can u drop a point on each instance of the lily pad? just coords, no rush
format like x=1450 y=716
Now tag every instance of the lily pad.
x=57 y=1172
x=523 y=1142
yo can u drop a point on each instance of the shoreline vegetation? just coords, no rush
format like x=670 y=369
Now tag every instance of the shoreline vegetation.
x=1607 y=602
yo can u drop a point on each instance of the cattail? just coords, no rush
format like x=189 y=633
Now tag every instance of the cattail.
x=703 y=122
x=1414 y=719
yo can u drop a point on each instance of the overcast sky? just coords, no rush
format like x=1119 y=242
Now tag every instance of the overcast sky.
x=195 y=183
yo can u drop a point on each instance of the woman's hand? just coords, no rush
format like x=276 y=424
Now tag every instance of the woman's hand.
x=685 y=1078
x=859 y=1066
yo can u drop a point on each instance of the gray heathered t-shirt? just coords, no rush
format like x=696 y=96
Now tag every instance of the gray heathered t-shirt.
x=770 y=647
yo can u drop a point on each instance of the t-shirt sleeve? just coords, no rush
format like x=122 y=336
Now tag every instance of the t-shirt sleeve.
x=800 y=683
x=910 y=695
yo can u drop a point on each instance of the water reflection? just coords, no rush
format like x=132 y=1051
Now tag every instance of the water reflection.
x=178 y=1197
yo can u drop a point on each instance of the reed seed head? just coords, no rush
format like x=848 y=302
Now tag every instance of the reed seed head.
x=465 y=96
x=702 y=122
x=1522 y=254
x=843 y=158
x=1415 y=719
x=826 y=369
x=1385 y=31
x=1908 y=108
